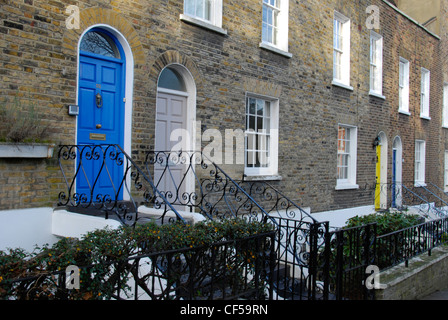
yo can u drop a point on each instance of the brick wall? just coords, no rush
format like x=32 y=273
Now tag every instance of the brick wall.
x=39 y=59
x=424 y=275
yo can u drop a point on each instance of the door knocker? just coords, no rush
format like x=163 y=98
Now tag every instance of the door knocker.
x=99 y=100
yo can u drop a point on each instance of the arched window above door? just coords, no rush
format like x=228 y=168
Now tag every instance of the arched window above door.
x=99 y=42
x=171 y=79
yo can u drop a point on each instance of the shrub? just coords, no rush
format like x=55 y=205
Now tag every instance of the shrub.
x=21 y=123
x=105 y=251
x=386 y=221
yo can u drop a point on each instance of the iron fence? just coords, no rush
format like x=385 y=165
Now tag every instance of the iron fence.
x=402 y=245
x=235 y=269
x=311 y=262
x=351 y=251
x=429 y=201
x=296 y=266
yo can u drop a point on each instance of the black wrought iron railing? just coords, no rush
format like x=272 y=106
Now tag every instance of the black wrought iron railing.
x=174 y=185
x=225 y=270
x=402 y=245
x=427 y=200
x=344 y=260
x=191 y=182
x=104 y=179
x=311 y=262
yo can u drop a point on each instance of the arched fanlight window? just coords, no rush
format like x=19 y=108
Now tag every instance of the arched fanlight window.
x=171 y=79
x=101 y=43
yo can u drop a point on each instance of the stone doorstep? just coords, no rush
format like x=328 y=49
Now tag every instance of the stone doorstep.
x=400 y=273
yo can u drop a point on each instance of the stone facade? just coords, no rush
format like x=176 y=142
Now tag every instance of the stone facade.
x=39 y=62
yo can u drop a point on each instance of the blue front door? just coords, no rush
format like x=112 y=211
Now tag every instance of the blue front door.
x=100 y=122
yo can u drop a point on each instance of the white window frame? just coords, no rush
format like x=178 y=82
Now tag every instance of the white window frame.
x=376 y=64
x=214 y=21
x=349 y=182
x=341 y=48
x=280 y=27
x=272 y=159
x=445 y=106
x=403 y=86
x=446 y=172
x=424 y=94
x=420 y=163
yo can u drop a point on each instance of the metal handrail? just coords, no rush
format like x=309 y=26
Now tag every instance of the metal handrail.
x=107 y=203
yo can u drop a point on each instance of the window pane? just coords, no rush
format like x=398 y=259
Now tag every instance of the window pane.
x=342 y=173
x=337 y=60
x=275 y=28
x=171 y=79
x=267 y=108
x=260 y=107
x=250 y=141
x=337 y=34
x=267 y=125
x=189 y=7
x=343 y=159
x=198 y=8
x=251 y=108
x=401 y=76
x=262 y=160
x=257 y=133
x=250 y=156
x=252 y=124
x=373 y=51
x=99 y=43
x=374 y=77
x=270 y=22
x=260 y=124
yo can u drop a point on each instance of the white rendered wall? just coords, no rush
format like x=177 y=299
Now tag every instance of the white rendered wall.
x=26 y=228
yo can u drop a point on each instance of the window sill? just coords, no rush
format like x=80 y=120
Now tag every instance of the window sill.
x=262 y=177
x=419 y=184
x=346 y=186
x=203 y=24
x=404 y=112
x=425 y=117
x=377 y=95
x=270 y=47
x=342 y=85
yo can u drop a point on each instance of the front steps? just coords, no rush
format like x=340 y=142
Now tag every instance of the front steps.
x=74 y=225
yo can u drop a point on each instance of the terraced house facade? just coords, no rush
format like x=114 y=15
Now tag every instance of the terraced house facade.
x=335 y=102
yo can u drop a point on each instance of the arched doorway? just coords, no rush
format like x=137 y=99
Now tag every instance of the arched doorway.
x=175 y=132
x=381 y=173
x=104 y=113
x=397 y=160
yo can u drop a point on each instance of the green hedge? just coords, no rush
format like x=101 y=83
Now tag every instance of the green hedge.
x=386 y=221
